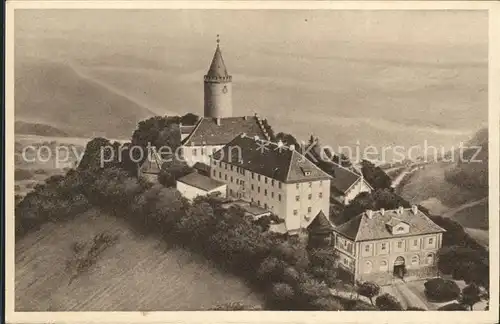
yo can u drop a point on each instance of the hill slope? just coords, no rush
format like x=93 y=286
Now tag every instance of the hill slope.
x=457 y=189
x=39 y=129
x=55 y=93
x=152 y=276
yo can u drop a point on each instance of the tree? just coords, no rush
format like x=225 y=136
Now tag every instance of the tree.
x=171 y=171
x=471 y=295
x=452 y=307
x=369 y=290
x=375 y=176
x=189 y=119
x=282 y=296
x=388 y=302
x=287 y=139
x=441 y=290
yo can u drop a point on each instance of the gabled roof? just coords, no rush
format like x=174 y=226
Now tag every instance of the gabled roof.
x=342 y=178
x=266 y=158
x=210 y=132
x=153 y=162
x=217 y=68
x=362 y=228
x=320 y=225
x=200 y=181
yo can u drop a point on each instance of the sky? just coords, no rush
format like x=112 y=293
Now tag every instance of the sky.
x=375 y=77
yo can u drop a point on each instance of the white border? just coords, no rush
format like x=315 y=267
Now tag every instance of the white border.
x=256 y=317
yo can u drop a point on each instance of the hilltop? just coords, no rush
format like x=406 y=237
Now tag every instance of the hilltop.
x=57 y=94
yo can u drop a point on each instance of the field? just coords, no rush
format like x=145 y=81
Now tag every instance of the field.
x=429 y=188
x=136 y=273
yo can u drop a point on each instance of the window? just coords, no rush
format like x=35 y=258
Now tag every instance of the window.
x=194 y=152
x=272 y=182
x=258 y=177
x=297 y=198
x=279 y=197
x=383 y=265
x=231 y=179
x=258 y=189
x=414 y=260
x=310 y=184
x=383 y=246
x=225 y=166
x=309 y=197
x=202 y=151
x=253 y=187
x=225 y=177
x=265 y=180
x=415 y=242
x=272 y=194
x=231 y=168
x=265 y=192
x=309 y=209
x=265 y=206
x=220 y=175
x=215 y=162
x=321 y=183
x=431 y=240
x=237 y=181
x=295 y=212
x=230 y=191
x=367 y=248
x=400 y=229
x=297 y=185
x=368 y=267
x=430 y=259
x=346 y=262
x=258 y=202
x=320 y=195
x=279 y=185
x=215 y=172
x=253 y=175
x=400 y=245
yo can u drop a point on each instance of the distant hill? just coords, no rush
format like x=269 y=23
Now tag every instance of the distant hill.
x=38 y=129
x=54 y=93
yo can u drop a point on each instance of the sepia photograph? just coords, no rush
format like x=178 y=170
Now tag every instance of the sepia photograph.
x=202 y=159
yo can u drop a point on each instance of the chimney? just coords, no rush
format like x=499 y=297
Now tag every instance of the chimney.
x=382 y=211
x=292 y=147
x=414 y=209
x=217 y=120
x=369 y=213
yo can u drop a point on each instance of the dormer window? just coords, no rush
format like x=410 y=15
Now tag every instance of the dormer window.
x=306 y=171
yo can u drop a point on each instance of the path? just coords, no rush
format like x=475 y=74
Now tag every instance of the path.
x=408 y=296
x=453 y=211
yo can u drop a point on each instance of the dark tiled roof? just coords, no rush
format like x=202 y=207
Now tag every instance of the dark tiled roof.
x=342 y=178
x=320 y=225
x=208 y=132
x=283 y=164
x=186 y=129
x=202 y=167
x=200 y=181
x=217 y=68
x=362 y=228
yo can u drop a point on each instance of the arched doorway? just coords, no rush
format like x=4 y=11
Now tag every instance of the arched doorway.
x=399 y=267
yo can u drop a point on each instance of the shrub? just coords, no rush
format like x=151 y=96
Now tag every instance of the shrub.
x=369 y=290
x=387 y=302
x=441 y=290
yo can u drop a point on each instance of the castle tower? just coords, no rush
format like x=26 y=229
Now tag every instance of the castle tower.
x=217 y=88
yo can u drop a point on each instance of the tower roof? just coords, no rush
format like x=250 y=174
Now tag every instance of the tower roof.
x=217 y=69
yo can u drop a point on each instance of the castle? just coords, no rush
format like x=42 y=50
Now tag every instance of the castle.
x=236 y=158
